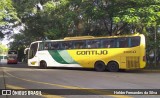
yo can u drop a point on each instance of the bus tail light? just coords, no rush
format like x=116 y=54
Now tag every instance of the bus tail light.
x=144 y=58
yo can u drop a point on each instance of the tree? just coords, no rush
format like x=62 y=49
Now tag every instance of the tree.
x=20 y=43
x=3 y=49
x=56 y=19
x=140 y=14
x=8 y=16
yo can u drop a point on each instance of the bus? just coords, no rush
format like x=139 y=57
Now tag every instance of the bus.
x=3 y=58
x=101 y=53
x=12 y=57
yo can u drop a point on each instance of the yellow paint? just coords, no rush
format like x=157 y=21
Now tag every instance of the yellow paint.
x=88 y=57
x=114 y=54
x=33 y=62
x=78 y=37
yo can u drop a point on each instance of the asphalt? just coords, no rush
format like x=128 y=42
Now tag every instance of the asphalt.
x=2 y=80
x=152 y=68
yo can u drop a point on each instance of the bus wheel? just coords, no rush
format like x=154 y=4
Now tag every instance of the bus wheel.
x=113 y=67
x=99 y=66
x=43 y=65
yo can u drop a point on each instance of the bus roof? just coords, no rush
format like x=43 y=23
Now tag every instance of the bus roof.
x=87 y=37
x=131 y=35
x=92 y=37
x=46 y=41
x=78 y=37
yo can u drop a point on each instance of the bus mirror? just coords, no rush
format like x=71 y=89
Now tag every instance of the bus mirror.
x=26 y=51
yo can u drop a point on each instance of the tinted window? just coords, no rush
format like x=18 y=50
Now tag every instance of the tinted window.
x=49 y=46
x=54 y=45
x=46 y=46
x=122 y=42
x=67 y=45
x=79 y=44
x=93 y=43
x=12 y=52
x=108 y=43
x=41 y=46
x=134 y=41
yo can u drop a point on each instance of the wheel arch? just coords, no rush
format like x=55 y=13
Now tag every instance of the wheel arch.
x=113 y=61
x=98 y=61
x=41 y=62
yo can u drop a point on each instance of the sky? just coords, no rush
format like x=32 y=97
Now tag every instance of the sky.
x=16 y=30
x=5 y=41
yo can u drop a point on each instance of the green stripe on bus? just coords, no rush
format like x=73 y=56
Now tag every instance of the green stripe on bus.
x=66 y=56
x=56 y=56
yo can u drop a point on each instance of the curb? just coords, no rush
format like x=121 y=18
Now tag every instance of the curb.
x=151 y=70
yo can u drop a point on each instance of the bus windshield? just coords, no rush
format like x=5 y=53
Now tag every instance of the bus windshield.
x=12 y=52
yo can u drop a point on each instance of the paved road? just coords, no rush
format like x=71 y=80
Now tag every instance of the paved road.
x=84 y=81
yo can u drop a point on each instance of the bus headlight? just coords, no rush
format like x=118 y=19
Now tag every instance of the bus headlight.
x=33 y=63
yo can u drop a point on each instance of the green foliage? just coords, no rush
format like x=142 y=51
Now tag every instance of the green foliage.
x=49 y=6
x=19 y=44
x=61 y=18
x=8 y=15
x=145 y=13
x=3 y=49
x=7 y=12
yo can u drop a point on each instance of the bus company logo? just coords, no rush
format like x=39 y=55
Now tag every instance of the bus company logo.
x=6 y=92
x=93 y=52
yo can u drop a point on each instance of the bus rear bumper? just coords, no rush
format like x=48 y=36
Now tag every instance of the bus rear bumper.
x=12 y=62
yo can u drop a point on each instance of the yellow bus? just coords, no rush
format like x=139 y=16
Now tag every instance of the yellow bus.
x=101 y=53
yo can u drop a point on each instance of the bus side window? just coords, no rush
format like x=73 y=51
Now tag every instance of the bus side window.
x=63 y=45
x=89 y=43
x=46 y=46
x=122 y=42
x=93 y=44
x=67 y=45
x=79 y=44
x=49 y=45
x=108 y=43
x=55 y=46
x=41 y=46
x=135 y=41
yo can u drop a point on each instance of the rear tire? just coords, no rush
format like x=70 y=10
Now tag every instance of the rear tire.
x=99 y=66
x=113 y=67
x=43 y=65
